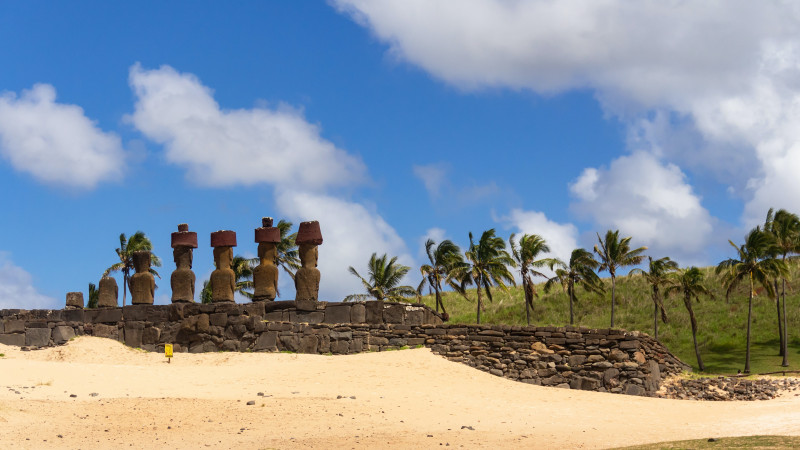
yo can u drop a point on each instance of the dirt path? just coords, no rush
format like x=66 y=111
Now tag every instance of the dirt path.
x=402 y=399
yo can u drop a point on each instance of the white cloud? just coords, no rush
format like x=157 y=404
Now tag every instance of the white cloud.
x=648 y=200
x=709 y=85
x=234 y=147
x=17 y=290
x=55 y=142
x=350 y=232
x=433 y=176
x=561 y=238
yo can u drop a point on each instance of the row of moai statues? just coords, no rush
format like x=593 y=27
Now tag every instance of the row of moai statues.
x=223 y=278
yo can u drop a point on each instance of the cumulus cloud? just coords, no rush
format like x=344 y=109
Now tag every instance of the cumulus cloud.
x=17 y=290
x=351 y=233
x=562 y=238
x=648 y=200
x=433 y=176
x=234 y=147
x=709 y=85
x=55 y=142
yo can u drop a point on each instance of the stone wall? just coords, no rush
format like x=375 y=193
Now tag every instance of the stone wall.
x=576 y=358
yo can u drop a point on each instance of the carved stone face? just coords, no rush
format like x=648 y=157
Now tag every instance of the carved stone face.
x=267 y=252
x=141 y=261
x=223 y=256
x=308 y=255
x=183 y=257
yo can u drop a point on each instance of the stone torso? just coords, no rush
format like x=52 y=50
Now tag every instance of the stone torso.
x=142 y=288
x=306 y=282
x=223 y=282
x=182 y=283
x=108 y=295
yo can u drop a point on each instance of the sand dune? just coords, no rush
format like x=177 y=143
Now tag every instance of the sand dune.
x=399 y=399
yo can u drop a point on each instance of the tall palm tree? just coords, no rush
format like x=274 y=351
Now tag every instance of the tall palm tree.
x=206 y=296
x=94 y=296
x=487 y=264
x=579 y=272
x=690 y=283
x=785 y=228
x=755 y=262
x=446 y=262
x=615 y=253
x=288 y=257
x=137 y=242
x=530 y=246
x=243 y=269
x=658 y=276
x=384 y=278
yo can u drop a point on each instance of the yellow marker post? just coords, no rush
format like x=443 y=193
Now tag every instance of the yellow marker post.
x=168 y=352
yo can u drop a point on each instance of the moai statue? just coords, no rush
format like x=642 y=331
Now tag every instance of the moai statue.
x=74 y=300
x=306 y=280
x=265 y=275
x=142 y=283
x=109 y=293
x=223 y=280
x=183 y=279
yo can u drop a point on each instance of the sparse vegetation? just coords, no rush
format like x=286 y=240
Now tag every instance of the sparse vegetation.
x=721 y=330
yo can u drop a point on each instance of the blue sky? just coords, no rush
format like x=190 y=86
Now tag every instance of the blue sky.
x=389 y=122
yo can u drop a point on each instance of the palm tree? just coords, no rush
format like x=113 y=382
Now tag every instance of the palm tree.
x=137 y=242
x=690 y=283
x=657 y=277
x=579 y=272
x=384 y=278
x=785 y=228
x=530 y=246
x=94 y=296
x=206 y=295
x=488 y=264
x=288 y=257
x=446 y=262
x=243 y=269
x=754 y=262
x=615 y=253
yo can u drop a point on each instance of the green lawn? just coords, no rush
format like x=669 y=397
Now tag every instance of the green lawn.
x=721 y=326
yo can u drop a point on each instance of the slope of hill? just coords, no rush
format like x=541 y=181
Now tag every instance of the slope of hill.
x=721 y=325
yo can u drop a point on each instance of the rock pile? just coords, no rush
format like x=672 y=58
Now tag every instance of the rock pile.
x=727 y=388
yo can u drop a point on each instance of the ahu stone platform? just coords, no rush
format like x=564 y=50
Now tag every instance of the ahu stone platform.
x=568 y=357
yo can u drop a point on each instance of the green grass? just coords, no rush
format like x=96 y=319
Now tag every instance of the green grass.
x=756 y=442
x=2 y=355
x=721 y=326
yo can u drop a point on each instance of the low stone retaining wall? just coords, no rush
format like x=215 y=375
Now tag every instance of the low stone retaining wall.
x=577 y=358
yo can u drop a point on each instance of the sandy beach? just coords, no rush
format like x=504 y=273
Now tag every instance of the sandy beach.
x=97 y=393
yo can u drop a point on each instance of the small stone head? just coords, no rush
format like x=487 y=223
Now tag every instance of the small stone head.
x=223 y=257
x=141 y=261
x=183 y=257
x=308 y=255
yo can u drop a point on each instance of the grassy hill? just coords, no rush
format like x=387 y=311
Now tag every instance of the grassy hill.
x=721 y=326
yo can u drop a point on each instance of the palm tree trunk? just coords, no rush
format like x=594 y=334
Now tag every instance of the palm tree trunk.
x=527 y=300
x=124 y=285
x=785 y=362
x=688 y=301
x=780 y=325
x=439 y=298
x=613 y=289
x=479 y=302
x=571 y=300
x=655 y=315
x=749 y=317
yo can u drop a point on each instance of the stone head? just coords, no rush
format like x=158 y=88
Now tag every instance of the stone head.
x=308 y=255
x=141 y=261
x=223 y=257
x=183 y=257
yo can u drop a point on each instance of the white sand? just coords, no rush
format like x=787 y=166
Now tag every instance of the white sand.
x=403 y=399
